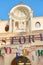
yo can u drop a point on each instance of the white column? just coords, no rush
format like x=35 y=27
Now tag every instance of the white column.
x=31 y=15
x=10 y=25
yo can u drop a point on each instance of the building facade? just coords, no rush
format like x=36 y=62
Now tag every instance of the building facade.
x=21 y=37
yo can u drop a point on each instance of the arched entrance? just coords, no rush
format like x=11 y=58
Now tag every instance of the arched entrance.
x=21 y=60
x=1 y=60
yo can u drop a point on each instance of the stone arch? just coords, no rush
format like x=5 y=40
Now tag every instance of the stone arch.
x=22 y=8
x=21 y=60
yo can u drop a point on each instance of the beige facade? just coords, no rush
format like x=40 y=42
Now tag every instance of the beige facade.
x=21 y=23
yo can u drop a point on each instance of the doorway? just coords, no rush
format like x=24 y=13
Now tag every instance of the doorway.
x=21 y=60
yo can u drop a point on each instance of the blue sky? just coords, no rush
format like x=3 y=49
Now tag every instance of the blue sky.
x=6 y=6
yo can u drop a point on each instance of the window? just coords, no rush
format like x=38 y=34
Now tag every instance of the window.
x=37 y=25
x=7 y=28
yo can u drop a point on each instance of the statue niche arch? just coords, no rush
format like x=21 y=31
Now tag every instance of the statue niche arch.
x=23 y=14
x=21 y=60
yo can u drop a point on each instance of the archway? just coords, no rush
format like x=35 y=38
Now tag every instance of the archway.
x=1 y=60
x=21 y=60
